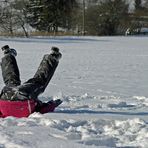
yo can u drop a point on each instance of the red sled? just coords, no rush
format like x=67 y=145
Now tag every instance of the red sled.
x=25 y=108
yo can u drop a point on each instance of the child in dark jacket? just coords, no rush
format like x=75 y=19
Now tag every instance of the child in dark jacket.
x=20 y=100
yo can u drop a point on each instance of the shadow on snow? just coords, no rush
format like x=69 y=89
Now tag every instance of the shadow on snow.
x=84 y=111
x=53 y=39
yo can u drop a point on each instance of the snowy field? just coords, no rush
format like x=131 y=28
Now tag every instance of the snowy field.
x=103 y=82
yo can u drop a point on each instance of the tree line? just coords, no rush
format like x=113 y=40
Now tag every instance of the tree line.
x=76 y=17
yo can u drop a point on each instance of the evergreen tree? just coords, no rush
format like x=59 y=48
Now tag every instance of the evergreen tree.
x=138 y=4
x=106 y=16
x=48 y=15
x=35 y=13
x=67 y=8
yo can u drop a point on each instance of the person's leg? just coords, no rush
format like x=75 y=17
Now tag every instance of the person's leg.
x=10 y=71
x=47 y=107
x=36 y=85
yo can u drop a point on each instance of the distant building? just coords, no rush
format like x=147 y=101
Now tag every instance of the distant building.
x=137 y=31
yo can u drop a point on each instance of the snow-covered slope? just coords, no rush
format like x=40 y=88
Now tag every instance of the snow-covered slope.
x=103 y=84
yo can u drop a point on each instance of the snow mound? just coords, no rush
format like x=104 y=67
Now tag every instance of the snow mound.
x=129 y=132
x=45 y=130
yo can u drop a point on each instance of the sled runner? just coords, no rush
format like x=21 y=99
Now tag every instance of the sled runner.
x=25 y=108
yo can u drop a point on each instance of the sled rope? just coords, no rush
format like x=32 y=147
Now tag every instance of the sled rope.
x=29 y=107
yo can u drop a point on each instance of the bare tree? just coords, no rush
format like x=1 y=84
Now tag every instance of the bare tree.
x=13 y=16
x=21 y=14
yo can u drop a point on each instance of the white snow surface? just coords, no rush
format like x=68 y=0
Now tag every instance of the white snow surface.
x=103 y=82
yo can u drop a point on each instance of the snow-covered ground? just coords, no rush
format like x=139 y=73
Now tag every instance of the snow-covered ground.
x=103 y=82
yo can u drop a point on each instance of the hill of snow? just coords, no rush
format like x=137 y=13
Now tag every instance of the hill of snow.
x=103 y=84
